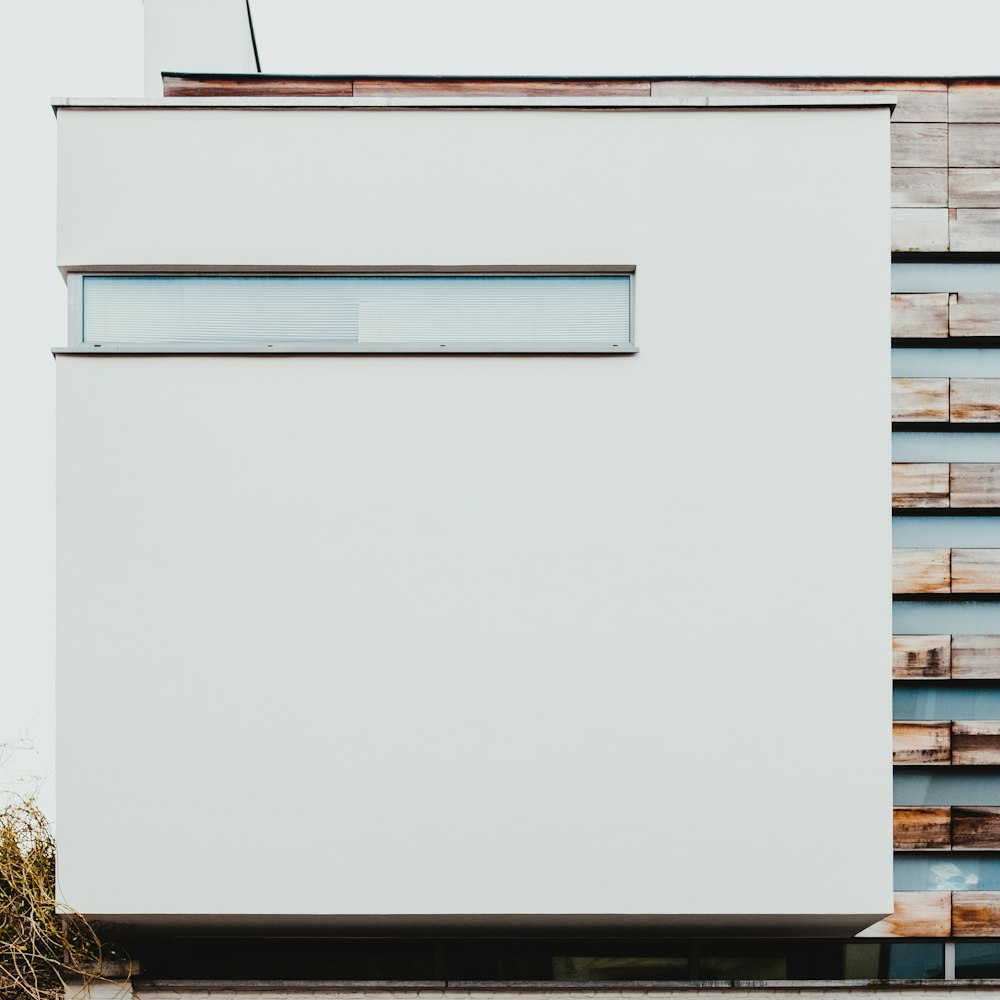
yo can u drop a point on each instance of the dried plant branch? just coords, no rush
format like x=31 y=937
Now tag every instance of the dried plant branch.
x=43 y=945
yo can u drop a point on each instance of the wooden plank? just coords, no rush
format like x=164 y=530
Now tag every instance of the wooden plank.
x=971 y=146
x=974 y=314
x=920 y=314
x=974 y=102
x=915 y=914
x=975 y=657
x=919 y=229
x=921 y=571
x=919 y=484
x=194 y=85
x=921 y=828
x=975 y=828
x=974 y=188
x=975 y=743
x=975 y=571
x=921 y=656
x=920 y=400
x=921 y=144
x=973 y=230
x=975 y=400
x=916 y=101
x=975 y=484
x=501 y=88
x=921 y=742
x=919 y=187
x=975 y=914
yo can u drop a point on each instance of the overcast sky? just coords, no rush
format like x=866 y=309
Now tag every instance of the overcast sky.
x=94 y=48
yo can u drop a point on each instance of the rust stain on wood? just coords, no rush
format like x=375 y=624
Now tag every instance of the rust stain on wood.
x=920 y=484
x=502 y=88
x=921 y=571
x=975 y=484
x=921 y=656
x=975 y=400
x=975 y=571
x=921 y=742
x=975 y=657
x=921 y=828
x=975 y=914
x=915 y=914
x=975 y=828
x=920 y=400
x=254 y=86
x=975 y=743
x=920 y=314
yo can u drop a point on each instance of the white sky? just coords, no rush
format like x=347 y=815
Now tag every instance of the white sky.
x=94 y=48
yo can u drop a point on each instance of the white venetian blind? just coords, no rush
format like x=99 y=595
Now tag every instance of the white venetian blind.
x=400 y=309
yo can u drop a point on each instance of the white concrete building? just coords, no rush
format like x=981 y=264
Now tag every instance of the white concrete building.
x=472 y=523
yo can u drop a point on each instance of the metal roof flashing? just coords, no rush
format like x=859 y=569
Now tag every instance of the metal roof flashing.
x=689 y=103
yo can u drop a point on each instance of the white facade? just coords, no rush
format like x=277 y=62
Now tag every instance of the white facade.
x=550 y=636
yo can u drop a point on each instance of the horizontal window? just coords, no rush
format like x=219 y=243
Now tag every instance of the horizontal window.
x=954 y=872
x=915 y=701
x=977 y=960
x=938 y=786
x=945 y=446
x=946 y=532
x=378 y=312
x=930 y=362
x=945 y=277
x=931 y=618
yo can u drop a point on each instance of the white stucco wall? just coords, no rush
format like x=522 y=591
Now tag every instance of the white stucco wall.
x=485 y=635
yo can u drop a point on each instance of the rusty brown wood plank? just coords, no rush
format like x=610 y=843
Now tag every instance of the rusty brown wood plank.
x=921 y=571
x=975 y=400
x=975 y=484
x=921 y=828
x=975 y=657
x=974 y=314
x=254 y=86
x=915 y=914
x=921 y=742
x=975 y=828
x=975 y=571
x=975 y=914
x=501 y=88
x=921 y=144
x=920 y=314
x=921 y=656
x=974 y=188
x=974 y=102
x=919 y=187
x=920 y=484
x=920 y=229
x=975 y=743
x=972 y=146
x=974 y=230
x=916 y=101
x=920 y=399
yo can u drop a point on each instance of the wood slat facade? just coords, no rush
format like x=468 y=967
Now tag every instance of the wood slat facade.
x=960 y=744
x=946 y=657
x=946 y=400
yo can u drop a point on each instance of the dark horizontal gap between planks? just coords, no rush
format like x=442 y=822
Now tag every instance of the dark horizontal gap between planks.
x=944 y=426
x=945 y=256
x=946 y=343
x=945 y=512
x=948 y=598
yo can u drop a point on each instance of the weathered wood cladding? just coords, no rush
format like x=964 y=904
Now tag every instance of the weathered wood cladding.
x=921 y=828
x=946 y=571
x=975 y=828
x=944 y=400
x=938 y=485
x=945 y=133
x=944 y=657
x=915 y=914
x=946 y=742
x=939 y=315
x=940 y=915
